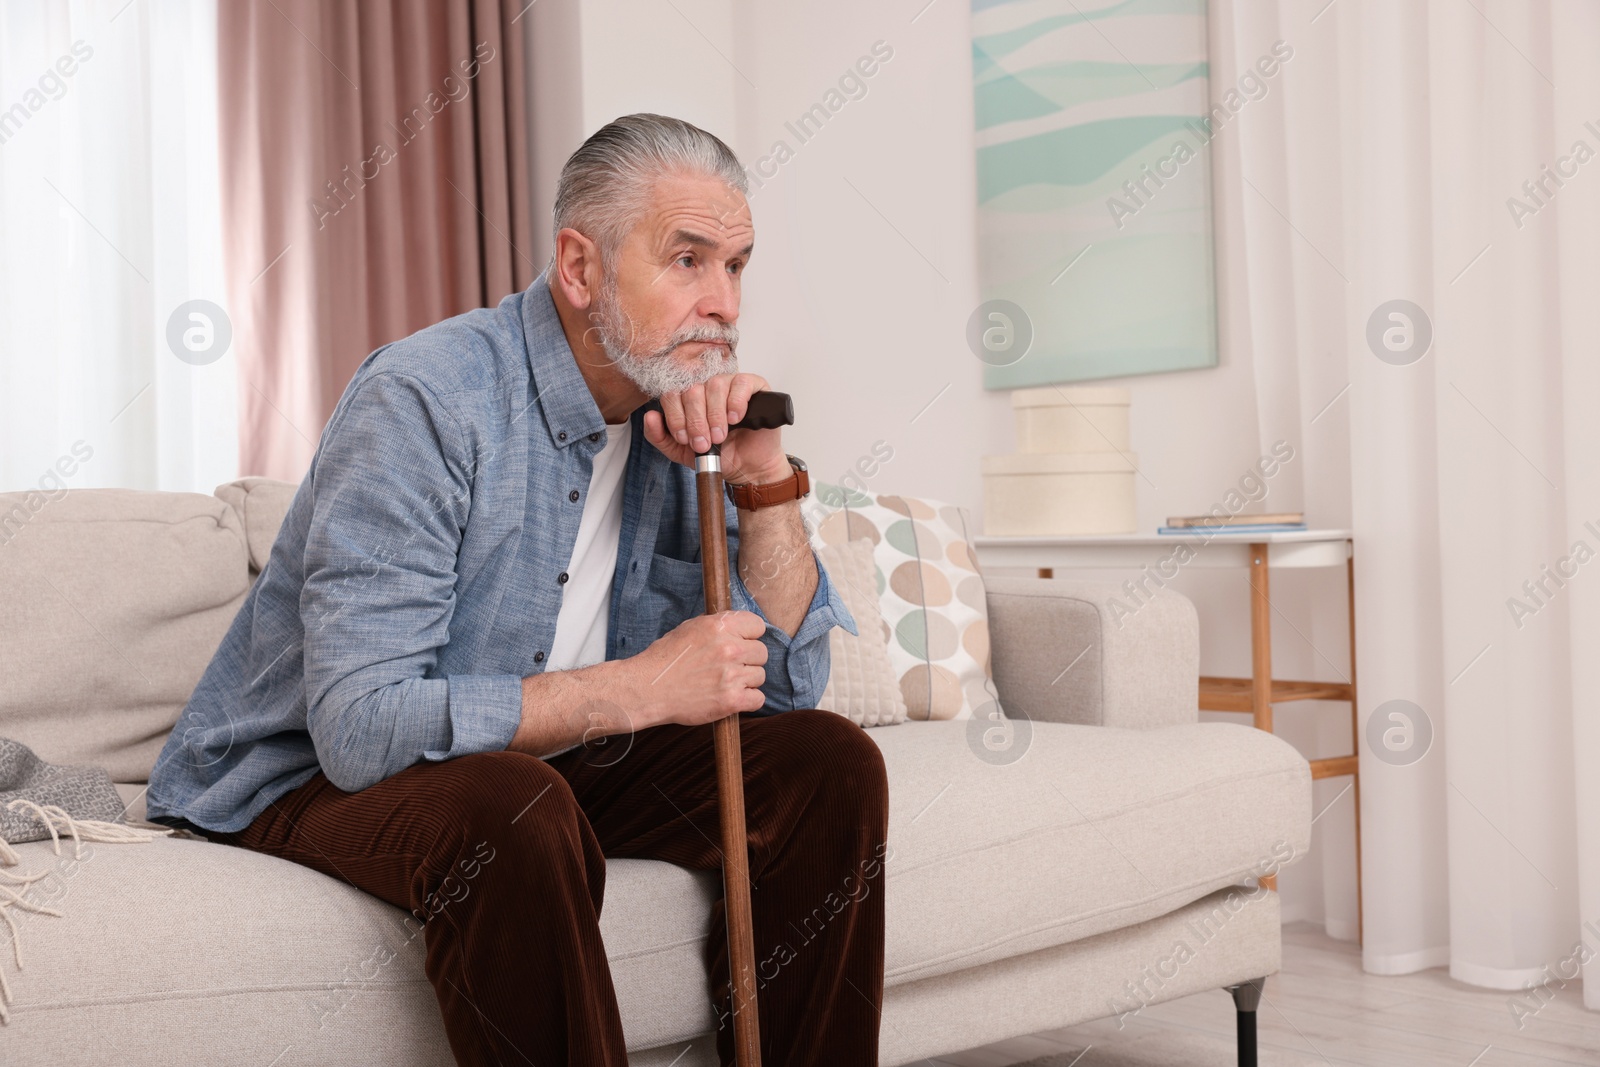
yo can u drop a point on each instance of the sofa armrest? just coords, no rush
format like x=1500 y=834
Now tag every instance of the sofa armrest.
x=1082 y=652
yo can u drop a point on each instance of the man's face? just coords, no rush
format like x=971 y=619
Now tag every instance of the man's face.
x=668 y=305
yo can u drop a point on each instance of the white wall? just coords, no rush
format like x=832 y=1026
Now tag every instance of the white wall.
x=857 y=298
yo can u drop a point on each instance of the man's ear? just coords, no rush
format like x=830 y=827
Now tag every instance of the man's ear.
x=577 y=268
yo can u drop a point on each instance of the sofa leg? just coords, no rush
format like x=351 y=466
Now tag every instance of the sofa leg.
x=1246 y=998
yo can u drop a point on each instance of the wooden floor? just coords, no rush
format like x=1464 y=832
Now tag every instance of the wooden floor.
x=1321 y=1010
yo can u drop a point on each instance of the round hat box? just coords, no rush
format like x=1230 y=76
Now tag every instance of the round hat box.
x=1058 y=494
x=1075 y=419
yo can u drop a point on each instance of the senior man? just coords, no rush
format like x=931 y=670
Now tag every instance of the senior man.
x=478 y=647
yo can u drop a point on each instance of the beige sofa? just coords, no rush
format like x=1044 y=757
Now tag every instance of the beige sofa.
x=1107 y=868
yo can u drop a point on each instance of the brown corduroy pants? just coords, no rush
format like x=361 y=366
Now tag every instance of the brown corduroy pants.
x=500 y=856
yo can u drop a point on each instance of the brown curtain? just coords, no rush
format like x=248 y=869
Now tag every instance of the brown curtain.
x=374 y=181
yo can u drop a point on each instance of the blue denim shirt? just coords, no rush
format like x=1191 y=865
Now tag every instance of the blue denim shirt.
x=415 y=579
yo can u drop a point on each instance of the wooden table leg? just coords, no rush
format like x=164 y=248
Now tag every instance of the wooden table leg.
x=1355 y=734
x=1260 y=639
x=1261 y=651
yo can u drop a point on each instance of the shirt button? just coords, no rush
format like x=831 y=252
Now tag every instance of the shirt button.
x=538 y=657
x=573 y=495
x=562 y=578
x=562 y=436
x=594 y=437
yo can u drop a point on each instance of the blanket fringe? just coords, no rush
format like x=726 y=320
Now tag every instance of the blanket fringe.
x=81 y=831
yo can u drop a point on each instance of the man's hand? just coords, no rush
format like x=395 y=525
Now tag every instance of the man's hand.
x=704 y=669
x=700 y=416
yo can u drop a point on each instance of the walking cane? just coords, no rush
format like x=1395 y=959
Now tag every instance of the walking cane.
x=765 y=410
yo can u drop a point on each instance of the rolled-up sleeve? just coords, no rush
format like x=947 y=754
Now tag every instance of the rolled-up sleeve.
x=797 y=665
x=391 y=495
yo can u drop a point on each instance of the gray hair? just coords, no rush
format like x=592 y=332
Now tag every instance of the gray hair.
x=606 y=184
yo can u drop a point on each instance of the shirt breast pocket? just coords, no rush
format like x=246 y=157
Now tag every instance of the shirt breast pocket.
x=680 y=585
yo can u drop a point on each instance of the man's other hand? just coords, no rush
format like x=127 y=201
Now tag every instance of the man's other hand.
x=704 y=669
x=690 y=422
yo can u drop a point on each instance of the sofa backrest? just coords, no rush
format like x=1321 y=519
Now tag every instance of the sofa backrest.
x=114 y=601
x=262 y=504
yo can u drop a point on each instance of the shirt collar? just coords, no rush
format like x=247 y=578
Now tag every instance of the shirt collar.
x=570 y=412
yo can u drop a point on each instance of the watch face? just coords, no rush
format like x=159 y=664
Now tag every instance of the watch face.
x=796 y=462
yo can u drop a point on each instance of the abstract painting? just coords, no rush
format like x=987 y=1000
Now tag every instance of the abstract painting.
x=1094 y=189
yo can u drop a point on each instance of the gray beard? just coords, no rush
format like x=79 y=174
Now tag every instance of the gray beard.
x=650 y=363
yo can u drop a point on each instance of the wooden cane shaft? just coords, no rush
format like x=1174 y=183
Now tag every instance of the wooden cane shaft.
x=730 y=789
x=714 y=542
x=736 y=893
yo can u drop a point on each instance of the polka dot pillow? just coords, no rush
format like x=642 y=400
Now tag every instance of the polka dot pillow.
x=934 y=610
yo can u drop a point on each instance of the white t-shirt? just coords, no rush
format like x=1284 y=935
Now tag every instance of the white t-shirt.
x=583 y=622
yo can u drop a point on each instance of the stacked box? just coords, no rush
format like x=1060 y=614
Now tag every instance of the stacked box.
x=1072 y=472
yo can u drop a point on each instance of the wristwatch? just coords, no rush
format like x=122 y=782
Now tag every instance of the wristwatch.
x=753 y=497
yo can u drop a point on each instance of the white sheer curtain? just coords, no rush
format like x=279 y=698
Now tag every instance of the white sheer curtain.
x=1390 y=169
x=109 y=223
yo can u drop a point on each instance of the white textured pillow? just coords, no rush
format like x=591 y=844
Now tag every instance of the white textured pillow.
x=862 y=685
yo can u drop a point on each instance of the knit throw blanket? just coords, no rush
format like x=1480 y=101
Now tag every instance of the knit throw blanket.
x=40 y=800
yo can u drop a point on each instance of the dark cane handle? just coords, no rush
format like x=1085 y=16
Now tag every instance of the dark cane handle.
x=765 y=410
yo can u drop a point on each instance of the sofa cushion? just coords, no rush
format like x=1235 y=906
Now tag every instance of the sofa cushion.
x=183 y=945
x=932 y=596
x=115 y=601
x=1090 y=829
x=179 y=947
x=862 y=684
x=261 y=503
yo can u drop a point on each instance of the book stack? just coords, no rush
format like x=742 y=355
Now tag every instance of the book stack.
x=1210 y=525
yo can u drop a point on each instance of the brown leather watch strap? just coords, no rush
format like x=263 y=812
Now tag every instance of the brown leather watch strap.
x=755 y=497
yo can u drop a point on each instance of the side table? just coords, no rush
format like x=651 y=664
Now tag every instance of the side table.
x=1258 y=554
